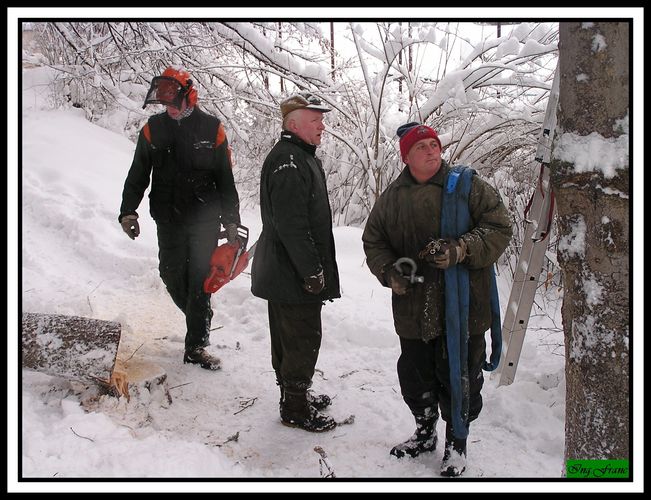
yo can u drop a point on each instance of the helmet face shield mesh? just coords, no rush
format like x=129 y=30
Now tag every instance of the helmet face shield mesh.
x=166 y=91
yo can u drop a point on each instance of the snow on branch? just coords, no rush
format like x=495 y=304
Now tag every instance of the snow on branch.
x=485 y=96
x=249 y=39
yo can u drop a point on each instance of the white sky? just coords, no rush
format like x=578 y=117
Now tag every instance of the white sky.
x=55 y=240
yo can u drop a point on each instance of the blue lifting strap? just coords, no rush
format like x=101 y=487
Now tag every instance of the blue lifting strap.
x=455 y=221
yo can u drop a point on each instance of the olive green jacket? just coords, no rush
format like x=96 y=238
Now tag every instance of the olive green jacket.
x=404 y=218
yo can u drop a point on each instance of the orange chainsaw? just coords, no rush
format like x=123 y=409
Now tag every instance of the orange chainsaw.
x=228 y=261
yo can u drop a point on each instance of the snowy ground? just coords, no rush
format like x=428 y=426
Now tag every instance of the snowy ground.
x=76 y=260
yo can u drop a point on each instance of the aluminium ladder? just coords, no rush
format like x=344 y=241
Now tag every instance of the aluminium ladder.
x=538 y=216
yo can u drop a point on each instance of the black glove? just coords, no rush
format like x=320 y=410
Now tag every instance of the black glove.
x=130 y=225
x=231 y=233
x=314 y=284
x=444 y=252
x=396 y=280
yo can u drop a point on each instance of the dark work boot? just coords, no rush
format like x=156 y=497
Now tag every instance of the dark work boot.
x=295 y=411
x=423 y=440
x=318 y=401
x=199 y=356
x=454 y=456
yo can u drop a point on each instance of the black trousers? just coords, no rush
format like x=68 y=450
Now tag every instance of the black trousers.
x=295 y=342
x=424 y=376
x=184 y=252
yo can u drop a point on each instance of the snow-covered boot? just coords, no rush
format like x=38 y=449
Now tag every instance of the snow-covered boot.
x=200 y=357
x=318 y=401
x=454 y=456
x=296 y=411
x=423 y=440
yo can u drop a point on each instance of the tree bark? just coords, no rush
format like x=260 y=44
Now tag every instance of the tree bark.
x=70 y=346
x=593 y=224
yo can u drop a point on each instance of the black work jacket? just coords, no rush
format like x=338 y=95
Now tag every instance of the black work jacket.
x=296 y=239
x=404 y=218
x=189 y=165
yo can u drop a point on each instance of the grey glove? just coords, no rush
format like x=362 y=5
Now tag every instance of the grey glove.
x=231 y=233
x=396 y=281
x=314 y=284
x=445 y=252
x=130 y=226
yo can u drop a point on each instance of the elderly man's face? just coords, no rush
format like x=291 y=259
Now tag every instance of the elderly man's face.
x=307 y=124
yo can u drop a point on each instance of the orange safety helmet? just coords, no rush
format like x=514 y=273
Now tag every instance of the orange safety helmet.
x=169 y=89
x=183 y=77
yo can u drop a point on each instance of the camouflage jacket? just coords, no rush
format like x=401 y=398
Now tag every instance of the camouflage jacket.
x=404 y=218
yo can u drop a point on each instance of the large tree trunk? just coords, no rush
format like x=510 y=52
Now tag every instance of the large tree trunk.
x=592 y=194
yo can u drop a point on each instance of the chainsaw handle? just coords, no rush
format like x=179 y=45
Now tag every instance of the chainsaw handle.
x=242 y=234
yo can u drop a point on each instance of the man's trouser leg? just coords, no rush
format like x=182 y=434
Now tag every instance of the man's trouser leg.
x=295 y=342
x=172 y=257
x=184 y=256
x=419 y=389
x=476 y=358
x=418 y=383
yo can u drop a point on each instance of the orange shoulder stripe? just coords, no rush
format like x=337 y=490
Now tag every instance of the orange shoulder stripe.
x=221 y=135
x=147 y=132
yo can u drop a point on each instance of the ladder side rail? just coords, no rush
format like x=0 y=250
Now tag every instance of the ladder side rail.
x=523 y=314
x=526 y=265
x=534 y=247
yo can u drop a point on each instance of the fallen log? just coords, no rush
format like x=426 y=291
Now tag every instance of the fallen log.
x=72 y=347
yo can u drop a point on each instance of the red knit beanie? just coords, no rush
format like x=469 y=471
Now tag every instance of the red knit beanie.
x=413 y=132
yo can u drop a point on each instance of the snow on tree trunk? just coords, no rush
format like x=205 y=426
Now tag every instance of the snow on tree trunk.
x=590 y=178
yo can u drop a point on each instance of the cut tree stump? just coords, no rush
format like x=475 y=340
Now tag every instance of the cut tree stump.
x=145 y=379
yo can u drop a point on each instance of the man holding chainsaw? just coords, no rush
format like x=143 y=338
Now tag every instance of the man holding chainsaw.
x=410 y=250
x=185 y=153
x=294 y=267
